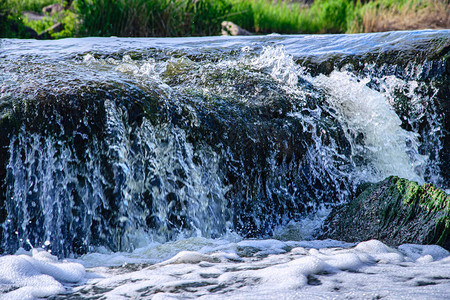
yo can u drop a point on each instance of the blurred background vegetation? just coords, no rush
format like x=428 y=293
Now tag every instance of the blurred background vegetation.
x=145 y=18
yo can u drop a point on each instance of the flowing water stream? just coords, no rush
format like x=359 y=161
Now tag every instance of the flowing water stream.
x=204 y=167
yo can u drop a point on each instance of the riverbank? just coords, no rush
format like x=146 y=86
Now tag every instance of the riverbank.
x=168 y=18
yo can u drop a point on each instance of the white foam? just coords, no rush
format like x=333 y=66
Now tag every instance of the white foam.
x=416 y=252
x=269 y=269
x=37 y=275
x=280 y=64
x=189 y=257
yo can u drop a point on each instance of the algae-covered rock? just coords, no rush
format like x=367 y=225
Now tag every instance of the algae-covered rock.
x=395 y=211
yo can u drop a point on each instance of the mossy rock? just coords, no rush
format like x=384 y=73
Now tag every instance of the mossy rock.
x=395 y=211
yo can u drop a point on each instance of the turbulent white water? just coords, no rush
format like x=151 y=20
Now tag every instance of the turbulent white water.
x=380 y=146
x=239 y=269
x=163 y=221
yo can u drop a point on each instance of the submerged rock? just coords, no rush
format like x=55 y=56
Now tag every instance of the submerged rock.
x=395 y=211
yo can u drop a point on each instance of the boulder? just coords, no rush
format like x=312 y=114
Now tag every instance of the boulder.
x=395 y=211
x=229 y=28
x=53 y=9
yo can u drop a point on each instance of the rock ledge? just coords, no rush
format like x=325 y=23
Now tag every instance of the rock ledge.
x=395 y=211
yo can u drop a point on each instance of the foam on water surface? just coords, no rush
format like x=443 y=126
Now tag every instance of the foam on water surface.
x=36 y=275
x=239 y=269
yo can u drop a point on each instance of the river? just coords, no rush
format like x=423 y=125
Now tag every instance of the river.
x=177 y=168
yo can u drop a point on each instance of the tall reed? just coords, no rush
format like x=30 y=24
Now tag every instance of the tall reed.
x=142 y=18
x=385 y=15
x=152 y=17
x=203 y=17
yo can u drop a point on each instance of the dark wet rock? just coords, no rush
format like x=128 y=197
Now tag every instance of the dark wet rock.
x=388 y=56
x=77 y=119
x=265 y=147
x=395 y=211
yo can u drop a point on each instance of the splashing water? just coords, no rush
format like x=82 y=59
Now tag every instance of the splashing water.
x=202 y=148
x=380 y=146
x=154 y=161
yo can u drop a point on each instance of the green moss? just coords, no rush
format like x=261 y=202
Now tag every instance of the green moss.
x=430 y=199
x=396 y=211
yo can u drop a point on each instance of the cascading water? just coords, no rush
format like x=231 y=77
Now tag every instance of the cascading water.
x=121 y=148
x=188 y=155
x=380 y=147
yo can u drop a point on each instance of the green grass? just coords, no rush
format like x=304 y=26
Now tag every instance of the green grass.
x=142 y=18
x=192 y=17
x=14 y=25
x=152 y=17
x=18 y=6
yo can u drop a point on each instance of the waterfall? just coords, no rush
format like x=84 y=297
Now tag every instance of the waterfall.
x=121 y=147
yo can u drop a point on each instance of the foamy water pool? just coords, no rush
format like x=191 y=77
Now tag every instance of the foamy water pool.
x=239 y=269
